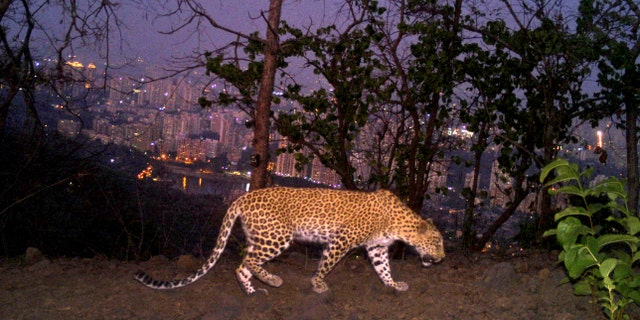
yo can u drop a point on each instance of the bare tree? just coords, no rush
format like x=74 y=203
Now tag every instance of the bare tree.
x=28 y=36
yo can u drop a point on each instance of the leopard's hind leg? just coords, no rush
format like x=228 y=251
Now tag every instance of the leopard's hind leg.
x=258 y=253
x=330 y=257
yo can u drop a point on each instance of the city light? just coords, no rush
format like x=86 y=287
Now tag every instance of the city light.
x=599 y=136
x=158 y=120
x=75 y=64
x=146 y=173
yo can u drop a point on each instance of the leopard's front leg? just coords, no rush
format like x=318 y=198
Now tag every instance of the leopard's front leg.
x=379 y=256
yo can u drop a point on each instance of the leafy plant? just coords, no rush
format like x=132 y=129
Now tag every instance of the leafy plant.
x=599 y=261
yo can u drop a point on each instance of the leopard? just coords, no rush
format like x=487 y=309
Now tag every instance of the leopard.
x=273 y=218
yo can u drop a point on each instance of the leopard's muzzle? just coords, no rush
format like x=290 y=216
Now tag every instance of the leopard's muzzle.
x=427 y=261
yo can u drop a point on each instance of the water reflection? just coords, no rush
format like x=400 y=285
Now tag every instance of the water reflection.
x=215 y=185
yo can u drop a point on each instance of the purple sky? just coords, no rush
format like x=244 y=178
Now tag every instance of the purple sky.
x=142 y=25
x=143 y=38
x=139 y=35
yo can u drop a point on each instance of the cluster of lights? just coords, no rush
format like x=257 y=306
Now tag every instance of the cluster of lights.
x=186 y=160
x=462 y=132
x=75 y=64
x=145 y=173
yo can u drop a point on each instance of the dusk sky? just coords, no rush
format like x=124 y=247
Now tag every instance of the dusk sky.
x=144 y=26
x=242 y=15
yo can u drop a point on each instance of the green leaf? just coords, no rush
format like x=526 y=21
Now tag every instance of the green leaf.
x=623 y=257
x=609 y=284
x=622 y=271
x=577 y=260
x=571 y=190
x=592 y=245
x=565 y=176
x=613 y=205
x=608 y=239
x=632 y=224
x=569 y=229
x=613 y=187
x=571 y=211
x=582 y=288
x=636 y=257
x=635 y=296
x=607 y=266
x=594 y=208
x=551 y=232
x=552 y=166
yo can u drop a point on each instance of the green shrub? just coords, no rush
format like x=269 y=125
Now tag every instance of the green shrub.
x=599 y=260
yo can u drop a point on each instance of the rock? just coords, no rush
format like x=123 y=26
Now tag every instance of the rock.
x=557 y=275
x=521 y=266
x=188 y=263
x=45 y=267
x=543 y=274
x=504 y=303
x=500 y=275
x=33 y=256
x=157 y=261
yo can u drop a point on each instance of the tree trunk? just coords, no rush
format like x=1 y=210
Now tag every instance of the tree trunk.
x=631 y=130
x=260 y=159
x=4 y=109
x=520 y=195
x=489 y=233
x=469 y=220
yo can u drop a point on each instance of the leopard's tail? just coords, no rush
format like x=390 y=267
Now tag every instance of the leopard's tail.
x=227 y=225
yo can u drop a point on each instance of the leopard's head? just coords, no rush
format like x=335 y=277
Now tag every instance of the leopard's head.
x=429 y=243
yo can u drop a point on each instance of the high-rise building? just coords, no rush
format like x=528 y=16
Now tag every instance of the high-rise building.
x=437 y=176
x=324 y=175
x=286 y=163
x=69 y=127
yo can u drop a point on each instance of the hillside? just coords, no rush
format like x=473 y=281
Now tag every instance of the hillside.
x=481 y=286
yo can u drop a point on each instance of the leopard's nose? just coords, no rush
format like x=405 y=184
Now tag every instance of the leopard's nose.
x=428 y=261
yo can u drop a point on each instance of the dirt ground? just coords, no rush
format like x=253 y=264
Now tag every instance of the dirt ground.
x=481 y=286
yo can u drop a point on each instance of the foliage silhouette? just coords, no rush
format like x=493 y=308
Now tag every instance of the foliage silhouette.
x=67 y=203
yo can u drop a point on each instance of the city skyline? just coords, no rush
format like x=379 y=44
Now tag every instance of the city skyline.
x=162 y=117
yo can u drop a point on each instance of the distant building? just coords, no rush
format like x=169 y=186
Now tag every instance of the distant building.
x=468 y=179
x=69 y=127
x=323 y=175
x=437 y=176
x=286 y=164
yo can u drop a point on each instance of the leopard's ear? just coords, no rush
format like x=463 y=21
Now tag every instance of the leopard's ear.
x=423 y=227
x=426 y=225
